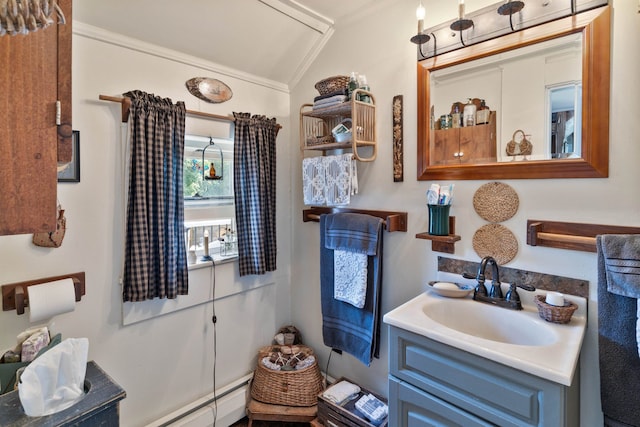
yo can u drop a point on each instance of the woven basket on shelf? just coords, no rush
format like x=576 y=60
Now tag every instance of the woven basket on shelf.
x=554 y=313
x=288 y=388
x=332 y=84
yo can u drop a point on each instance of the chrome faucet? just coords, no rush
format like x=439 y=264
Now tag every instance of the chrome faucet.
x=494 y=296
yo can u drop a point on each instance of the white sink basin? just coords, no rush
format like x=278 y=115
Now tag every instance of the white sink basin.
x=473 y=318
x=519 y=339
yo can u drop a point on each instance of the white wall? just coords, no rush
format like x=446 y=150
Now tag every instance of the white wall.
x=165 y=362
x=376 y=43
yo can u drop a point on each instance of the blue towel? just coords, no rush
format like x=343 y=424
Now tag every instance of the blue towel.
x=618 y=350
x=352 y=232
x=345 y=327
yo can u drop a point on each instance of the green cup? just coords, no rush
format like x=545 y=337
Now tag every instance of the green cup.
x=439 y=220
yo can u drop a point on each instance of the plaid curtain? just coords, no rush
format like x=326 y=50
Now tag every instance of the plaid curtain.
x=155 y=264
x=255 y=192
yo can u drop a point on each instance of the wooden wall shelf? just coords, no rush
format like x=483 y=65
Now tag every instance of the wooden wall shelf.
x=444 y=244
x=570 y=235
x=393 y=221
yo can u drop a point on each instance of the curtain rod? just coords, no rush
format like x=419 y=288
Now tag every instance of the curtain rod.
x=126 y=105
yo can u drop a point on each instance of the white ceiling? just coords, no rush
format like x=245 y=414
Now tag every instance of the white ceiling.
x=272 y=39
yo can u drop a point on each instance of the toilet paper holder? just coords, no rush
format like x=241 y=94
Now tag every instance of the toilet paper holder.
x=14 y=295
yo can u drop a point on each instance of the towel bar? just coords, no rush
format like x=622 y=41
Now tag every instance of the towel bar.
x=568 y=235
x=393 y=221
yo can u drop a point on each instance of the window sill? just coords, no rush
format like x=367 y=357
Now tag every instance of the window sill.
x=218 y=259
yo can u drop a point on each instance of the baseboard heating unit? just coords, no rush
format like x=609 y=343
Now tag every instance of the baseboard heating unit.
x=231 y=403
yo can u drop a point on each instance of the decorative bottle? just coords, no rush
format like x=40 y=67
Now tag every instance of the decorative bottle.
x=353 y=83
x=482 y=115
x=212 y=171
x=469 y=113
x=362 y=84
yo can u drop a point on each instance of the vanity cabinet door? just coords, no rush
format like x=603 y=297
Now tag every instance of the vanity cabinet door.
x=35 y=71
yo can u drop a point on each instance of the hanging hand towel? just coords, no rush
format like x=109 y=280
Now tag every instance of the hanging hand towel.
x=622 y=264
x=618 y=281
x=350 y=282
x=338 y=172
x=313 y=181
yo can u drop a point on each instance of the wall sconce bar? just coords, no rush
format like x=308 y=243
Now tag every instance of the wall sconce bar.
x=15 y=295
x=393 y=221
x=569 y=235
x=489 y=22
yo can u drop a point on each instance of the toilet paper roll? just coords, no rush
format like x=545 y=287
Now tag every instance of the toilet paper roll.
x=51 y=298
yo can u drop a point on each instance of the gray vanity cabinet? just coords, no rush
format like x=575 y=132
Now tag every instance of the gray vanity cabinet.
x=433 y=384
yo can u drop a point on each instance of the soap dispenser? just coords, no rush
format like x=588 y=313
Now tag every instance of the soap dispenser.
x=469 y=114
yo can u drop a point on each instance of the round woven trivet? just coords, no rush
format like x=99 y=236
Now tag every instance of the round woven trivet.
x=495 y=202
x=497 y=241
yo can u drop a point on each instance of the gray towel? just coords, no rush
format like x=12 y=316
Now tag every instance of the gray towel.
x=618 y=348
x=622 y=263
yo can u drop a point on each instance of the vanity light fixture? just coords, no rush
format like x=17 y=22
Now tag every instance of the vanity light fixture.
x=422 y=38
x=461 y=24
x=509 y=8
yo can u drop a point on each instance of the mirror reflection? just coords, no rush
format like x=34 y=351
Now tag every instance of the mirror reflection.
x=519 y=100
x=526 y=102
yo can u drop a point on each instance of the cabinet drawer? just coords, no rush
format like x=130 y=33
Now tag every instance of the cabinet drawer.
x=415 y=408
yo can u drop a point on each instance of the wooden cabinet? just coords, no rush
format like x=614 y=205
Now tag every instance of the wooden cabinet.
x=35 y=72
x=473 y=144
x=431 y=383
x=316 y=126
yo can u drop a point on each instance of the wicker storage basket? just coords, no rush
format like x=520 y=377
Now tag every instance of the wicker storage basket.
x=332 y=84
x=288 y=388
x=553 y=313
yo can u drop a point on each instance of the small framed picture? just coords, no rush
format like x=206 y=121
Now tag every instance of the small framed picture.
x=70 y=172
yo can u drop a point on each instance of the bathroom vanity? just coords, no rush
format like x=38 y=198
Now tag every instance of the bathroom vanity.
x=455 y=361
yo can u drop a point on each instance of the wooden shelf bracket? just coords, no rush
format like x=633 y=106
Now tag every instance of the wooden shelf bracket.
x=393 y=221
x=444 y=244
x=570 y=235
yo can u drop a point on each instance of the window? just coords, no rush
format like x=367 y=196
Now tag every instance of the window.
x=199 y=191
x=209 y=203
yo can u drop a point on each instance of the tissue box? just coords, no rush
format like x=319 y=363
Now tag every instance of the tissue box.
x=346 y=415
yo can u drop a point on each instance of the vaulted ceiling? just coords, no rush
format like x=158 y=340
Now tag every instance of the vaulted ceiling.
x=272 y=39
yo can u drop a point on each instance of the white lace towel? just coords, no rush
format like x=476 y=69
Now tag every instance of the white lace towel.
x=350 y=277
x=313 y=180
x=337 y=191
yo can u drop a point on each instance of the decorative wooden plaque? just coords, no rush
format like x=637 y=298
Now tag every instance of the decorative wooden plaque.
x=398 y=152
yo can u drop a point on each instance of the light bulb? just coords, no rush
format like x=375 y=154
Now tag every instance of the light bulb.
x=420 y=12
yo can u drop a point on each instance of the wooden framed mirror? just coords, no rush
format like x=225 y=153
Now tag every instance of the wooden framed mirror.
x=594 y=27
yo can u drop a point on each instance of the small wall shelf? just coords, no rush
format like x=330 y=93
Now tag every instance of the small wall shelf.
x=569 y=235
x=316 y=126
x=394 y=221
x=442 y=243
